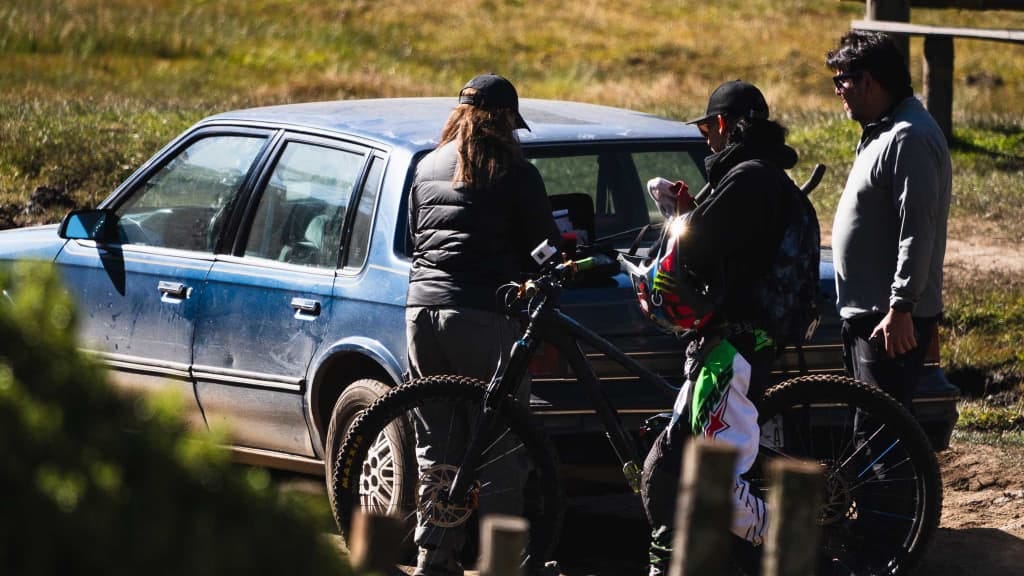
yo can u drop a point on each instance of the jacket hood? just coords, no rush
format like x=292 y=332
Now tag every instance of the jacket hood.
x=778 y=153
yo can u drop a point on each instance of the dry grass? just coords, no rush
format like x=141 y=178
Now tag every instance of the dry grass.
x=659 y=56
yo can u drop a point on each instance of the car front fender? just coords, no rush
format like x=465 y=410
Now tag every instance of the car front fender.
x=339 y=364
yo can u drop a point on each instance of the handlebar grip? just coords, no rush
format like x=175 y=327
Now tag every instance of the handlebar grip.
x=599 y=263
x=585 y=264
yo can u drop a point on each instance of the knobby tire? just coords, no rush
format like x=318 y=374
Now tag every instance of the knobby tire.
x=883 y=487
x=516 y=427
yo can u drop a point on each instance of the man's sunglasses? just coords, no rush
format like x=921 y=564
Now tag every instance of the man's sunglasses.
x=840 y=80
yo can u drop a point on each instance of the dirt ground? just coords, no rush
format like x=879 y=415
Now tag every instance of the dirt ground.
x=982 y=528
x=974 y=246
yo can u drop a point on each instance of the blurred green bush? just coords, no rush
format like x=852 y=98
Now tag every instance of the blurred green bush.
x=92 y=482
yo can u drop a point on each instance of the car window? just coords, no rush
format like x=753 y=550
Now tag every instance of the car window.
x=611 y=182
x=301 y=212
x=673 y=165
x=183 y=203
x=359 y=241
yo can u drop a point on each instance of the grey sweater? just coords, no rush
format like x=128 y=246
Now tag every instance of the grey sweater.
x=889 y=232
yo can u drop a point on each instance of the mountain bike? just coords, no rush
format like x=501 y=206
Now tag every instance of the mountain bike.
x=882 y=488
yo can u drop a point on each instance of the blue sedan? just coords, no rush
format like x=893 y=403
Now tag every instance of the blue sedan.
x=258 y=265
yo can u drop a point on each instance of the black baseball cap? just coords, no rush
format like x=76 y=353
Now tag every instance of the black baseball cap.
x=734 y=99
x=492 y=92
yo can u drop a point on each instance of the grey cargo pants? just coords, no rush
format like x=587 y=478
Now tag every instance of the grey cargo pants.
x=466 y=342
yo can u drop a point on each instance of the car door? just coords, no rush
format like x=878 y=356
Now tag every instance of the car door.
x=138 y=295
x=265 y=306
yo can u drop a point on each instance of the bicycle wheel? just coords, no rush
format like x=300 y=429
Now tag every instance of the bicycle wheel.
x=515 y=443
x=883 y=493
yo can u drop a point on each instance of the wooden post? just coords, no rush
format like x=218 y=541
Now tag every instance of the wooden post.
x=701 y=542
x=893 y=11
x=938 y=81
x=502 y=542
x=794 y=500
x=375 y=543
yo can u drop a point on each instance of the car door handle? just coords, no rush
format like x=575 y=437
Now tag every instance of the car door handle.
x=306 y=306
x=173 y=289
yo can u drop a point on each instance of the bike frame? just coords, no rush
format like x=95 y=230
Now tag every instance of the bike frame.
x=548 y=324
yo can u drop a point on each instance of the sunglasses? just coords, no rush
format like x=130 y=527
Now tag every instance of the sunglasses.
x=846 y=80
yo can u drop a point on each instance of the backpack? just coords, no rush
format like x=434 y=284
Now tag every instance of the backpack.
x=788 y=293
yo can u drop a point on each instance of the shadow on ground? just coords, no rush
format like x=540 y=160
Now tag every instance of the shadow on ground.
x=974 y=552
x=604 y=537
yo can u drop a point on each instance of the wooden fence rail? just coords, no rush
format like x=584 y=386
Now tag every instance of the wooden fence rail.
x=893 y=17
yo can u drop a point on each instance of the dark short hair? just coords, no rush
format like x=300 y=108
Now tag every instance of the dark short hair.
x=877 y=54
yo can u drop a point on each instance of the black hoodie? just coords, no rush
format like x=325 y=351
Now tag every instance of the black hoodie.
x=735 y=230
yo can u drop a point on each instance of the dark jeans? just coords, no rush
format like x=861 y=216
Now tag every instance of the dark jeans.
x=868 y=363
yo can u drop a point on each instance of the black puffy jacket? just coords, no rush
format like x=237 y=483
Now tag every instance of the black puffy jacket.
x=468 y=242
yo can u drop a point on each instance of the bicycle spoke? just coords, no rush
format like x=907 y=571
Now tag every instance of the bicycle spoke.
x=871 y=465
x=882 y=475
x=495 y=442
x=863 y=446
x=518 y=447
x=890 y=515
x=484 y=489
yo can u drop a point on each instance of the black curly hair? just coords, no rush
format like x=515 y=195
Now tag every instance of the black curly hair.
x=877 y=54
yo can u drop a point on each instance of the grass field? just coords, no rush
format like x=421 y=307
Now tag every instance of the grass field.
x=90 y=88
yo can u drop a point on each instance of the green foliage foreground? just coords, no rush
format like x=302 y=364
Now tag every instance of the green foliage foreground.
x=94 y=483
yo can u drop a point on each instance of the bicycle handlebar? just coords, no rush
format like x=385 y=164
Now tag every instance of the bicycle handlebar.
x=553 y=275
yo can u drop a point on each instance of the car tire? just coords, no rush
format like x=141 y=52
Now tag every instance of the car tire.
x=356 y=397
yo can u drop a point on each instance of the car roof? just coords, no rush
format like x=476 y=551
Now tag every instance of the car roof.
x=416 y=123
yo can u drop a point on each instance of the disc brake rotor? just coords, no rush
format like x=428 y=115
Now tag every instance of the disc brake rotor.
x=434 y=506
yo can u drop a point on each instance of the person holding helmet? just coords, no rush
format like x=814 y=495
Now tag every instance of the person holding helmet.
x=728 y=243
x=476 y=209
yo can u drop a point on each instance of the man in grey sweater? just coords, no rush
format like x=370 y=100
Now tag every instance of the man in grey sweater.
x=889 y=232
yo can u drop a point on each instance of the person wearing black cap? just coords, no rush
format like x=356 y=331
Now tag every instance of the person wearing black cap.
x=477 y=208
x=730 y=242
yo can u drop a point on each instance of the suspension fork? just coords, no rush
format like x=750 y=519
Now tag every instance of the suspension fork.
x=505 y=382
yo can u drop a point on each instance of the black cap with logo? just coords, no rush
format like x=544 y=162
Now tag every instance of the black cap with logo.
x=735 y=99
x=492 y=92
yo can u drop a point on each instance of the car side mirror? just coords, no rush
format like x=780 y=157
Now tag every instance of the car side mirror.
x=96 y=224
